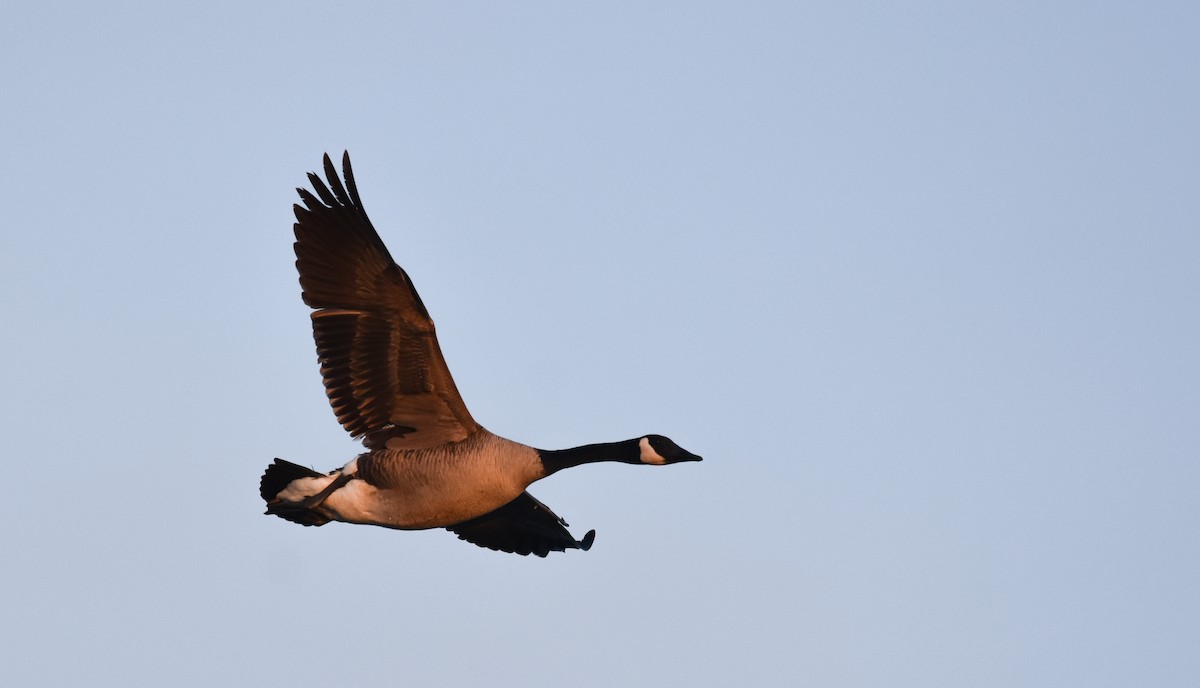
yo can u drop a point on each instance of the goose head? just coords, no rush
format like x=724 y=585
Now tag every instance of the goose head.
x=657 y=450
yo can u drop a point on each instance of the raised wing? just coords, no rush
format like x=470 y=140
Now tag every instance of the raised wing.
x=383 y=368
x=523 y=526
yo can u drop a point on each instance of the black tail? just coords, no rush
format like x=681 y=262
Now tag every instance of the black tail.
x=277 y=477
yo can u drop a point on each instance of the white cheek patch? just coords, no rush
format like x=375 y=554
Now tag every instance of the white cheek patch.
x=649 y=455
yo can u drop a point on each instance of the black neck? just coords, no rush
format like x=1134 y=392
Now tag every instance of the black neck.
x=555 y=460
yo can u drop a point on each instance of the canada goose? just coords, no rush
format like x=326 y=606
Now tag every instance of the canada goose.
x=428 y=464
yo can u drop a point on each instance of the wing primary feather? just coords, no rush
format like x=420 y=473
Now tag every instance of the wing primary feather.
x=348 y=173
x=310 y=201
x=335 y=184
x=323 y=191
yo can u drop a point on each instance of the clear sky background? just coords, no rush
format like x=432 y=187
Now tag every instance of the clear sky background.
x=918 y=280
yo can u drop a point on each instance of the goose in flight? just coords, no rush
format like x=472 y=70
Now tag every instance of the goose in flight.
x=427 y=463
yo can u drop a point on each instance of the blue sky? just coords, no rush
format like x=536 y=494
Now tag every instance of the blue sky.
x=918 y=280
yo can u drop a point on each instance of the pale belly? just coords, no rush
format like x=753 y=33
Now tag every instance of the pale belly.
x=422 y=506
x=432 y=489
